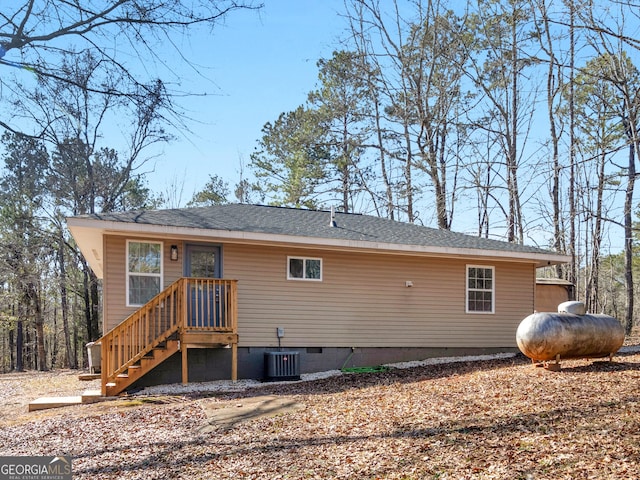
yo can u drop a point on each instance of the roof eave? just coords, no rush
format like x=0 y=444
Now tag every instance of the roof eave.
x=88 y=234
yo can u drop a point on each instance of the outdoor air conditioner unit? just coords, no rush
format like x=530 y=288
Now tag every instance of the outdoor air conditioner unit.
x=281 y=366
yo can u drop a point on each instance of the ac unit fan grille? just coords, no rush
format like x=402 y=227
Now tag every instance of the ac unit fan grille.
x=281 y=366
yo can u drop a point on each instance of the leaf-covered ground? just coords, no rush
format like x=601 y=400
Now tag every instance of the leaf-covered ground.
x=501 y=419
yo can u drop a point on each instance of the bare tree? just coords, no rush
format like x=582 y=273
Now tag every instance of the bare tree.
x=436 y=55
x=503 y=38
x=600 y=134
x=24 y=248
x=607 y=33
x=40 y=35
x=550 y=42
x=381 y=91
x=85 y=176
x=386 y=36
x=342 y=103
x=423 y=56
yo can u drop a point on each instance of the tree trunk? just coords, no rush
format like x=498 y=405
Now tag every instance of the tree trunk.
x=54 y=339
x=64 y=302
x=515 y=210
x=39 y=324
x=593 y=286
x=29 y=353
x=91 y=303
x=95 y=307
x=553 y=84
x=628 y=238
x=19 y=348
x=383 y=165
x=74 y=341
x=407 y=174
x=571 y=250
x=12 y=356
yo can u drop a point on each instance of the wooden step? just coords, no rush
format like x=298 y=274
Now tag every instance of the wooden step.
x=89 y=396
x=44 y=403
x=147 y=363
x=92 y=396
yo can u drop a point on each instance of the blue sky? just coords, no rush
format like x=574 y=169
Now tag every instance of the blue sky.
x=257 y=65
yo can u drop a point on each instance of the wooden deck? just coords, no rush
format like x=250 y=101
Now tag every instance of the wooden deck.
x=190 y=313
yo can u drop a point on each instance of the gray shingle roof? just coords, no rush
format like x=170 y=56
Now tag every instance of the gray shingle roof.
x=311 y=223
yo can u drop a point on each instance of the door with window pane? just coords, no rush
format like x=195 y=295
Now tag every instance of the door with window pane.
x=206 y=300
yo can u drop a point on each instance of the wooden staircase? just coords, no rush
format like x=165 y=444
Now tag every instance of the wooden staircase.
x=146 y=363
x=191 y=310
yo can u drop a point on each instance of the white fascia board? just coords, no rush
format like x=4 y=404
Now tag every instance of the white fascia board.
x=124 y=228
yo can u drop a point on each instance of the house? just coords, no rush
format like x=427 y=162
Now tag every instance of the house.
x=222 y=285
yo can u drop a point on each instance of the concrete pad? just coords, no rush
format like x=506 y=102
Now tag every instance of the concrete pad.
x=44 y=403
x=228 y=414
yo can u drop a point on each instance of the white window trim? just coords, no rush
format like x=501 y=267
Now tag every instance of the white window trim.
x=304 y=267
x=128 y=273
x=493 y=290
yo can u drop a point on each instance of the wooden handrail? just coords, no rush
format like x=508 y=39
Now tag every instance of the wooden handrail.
x=188 y=304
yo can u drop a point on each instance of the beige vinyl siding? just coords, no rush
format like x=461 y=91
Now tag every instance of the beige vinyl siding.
x=362 y=300
x=115 y=276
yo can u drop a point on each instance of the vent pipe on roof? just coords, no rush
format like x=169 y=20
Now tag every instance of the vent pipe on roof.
x=332 y=222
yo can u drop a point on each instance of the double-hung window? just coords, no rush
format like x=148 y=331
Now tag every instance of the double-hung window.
x=480 y=289
x=144 y=271
x=304 y=268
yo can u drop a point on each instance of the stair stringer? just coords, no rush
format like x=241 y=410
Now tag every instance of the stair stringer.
x=145 y=364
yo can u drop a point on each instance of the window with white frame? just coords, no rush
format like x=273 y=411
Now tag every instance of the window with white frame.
x=304 y=268
x=144 y=271
x=480 y=289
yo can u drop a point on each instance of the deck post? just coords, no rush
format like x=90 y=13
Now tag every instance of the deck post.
x=185 y=365
x=234 y=327
x=234 y=361
x=183 y=326
x=104 y=366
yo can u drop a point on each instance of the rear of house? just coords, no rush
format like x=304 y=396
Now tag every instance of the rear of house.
x=341 y=290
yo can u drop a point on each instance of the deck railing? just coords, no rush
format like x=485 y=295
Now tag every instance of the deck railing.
x=211 y=304
x=188 y=304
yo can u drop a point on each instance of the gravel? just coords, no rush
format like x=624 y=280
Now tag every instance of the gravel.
x=244 y=385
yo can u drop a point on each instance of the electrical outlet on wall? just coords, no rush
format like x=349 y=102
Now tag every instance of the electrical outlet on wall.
x=280 y=332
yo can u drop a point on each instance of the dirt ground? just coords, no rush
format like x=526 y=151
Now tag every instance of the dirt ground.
x=17 y=389
x=498 y=419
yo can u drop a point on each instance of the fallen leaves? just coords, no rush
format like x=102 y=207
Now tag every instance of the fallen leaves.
x=500 y=419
